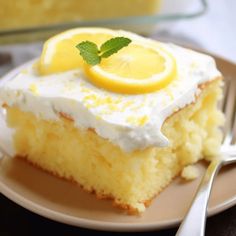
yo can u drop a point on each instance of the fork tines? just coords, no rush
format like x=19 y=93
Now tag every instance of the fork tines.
x=229 y=109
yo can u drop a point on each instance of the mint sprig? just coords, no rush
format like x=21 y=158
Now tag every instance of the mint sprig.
x=89 y=51
x=93 y=56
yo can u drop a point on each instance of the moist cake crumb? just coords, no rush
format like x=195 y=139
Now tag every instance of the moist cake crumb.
x=190 y=172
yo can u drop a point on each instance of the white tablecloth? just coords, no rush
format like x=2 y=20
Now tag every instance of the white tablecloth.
x=215 y=31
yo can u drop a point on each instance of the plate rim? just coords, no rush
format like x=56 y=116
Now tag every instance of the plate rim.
x=101 y=225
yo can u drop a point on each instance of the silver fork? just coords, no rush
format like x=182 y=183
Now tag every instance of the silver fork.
x=195 y=219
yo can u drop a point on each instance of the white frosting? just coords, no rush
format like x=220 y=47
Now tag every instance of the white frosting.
x=129 y=121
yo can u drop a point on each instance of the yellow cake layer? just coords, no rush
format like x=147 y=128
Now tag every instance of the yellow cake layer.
x=131 y=179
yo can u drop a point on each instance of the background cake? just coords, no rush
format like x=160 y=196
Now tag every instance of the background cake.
x=16 y=14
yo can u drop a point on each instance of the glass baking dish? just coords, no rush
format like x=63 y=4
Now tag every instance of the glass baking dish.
x=141 y=16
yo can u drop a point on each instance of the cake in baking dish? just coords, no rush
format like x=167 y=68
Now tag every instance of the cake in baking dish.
x=16 y=14
x=122 y=129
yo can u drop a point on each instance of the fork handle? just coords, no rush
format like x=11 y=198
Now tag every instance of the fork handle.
x=195 y=219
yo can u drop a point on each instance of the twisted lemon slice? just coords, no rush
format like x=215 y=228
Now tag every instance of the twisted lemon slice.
x=60 y=54
x=138 y=68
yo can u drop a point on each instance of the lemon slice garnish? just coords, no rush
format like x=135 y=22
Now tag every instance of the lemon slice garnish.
x=142 y=67
x=138 y=68
x=60 y=54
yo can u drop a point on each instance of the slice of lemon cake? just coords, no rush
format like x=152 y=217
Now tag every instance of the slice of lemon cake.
x=123 y=127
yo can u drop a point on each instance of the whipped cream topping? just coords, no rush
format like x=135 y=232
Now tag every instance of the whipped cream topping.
x=132 y=122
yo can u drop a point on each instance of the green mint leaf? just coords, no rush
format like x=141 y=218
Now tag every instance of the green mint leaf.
x=113 y=45
x=89 y=51
x=92 y=55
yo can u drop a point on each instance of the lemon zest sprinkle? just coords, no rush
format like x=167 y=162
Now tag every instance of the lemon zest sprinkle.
x=138 y=121
x=33 y=88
